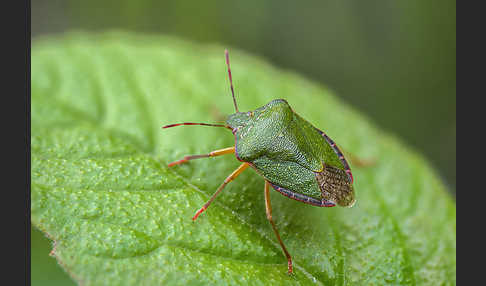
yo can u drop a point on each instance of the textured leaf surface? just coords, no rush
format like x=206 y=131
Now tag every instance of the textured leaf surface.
x=101 y=189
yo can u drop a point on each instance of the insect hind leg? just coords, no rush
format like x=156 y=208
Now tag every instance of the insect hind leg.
x=268 y=208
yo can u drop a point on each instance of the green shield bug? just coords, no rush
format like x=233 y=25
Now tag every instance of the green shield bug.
x=294 y=157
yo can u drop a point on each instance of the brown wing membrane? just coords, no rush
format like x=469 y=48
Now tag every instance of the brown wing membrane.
x=336 y=186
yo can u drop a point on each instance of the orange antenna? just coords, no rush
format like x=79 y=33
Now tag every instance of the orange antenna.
x=193 y=123
x=230 y=79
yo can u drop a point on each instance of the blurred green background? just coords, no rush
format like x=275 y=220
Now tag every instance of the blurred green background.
x=393 y=60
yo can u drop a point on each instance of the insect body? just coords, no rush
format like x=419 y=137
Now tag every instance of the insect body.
x=295 y=158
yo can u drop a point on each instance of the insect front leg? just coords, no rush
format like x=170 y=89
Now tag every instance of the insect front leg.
x=228 y=179
x=214 y=153
x=268 y=208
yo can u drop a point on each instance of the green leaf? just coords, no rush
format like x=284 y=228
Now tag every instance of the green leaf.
x=101 y=189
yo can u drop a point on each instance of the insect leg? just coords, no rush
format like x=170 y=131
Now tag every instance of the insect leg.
x=359 y=162
x=362 y=163
x=215 y=153
x=268 y=207
x=228 y=179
